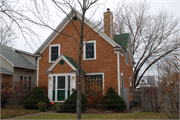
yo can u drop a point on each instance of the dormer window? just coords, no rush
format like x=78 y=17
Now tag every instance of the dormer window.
x=127 y=57
x=54 y=52
x=90 y=50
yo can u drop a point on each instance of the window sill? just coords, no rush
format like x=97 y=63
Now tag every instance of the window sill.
x=127 y=64
x=51 y=61
x=89 y=59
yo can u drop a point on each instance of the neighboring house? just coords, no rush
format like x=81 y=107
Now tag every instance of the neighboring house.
x=147 y=81
x=106 y=58
x=18 y=67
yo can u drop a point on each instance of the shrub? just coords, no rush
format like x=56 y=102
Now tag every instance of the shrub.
x=42 y=106
x=6 y=91
x=113 y=101
x=59 y=107
x=37 y=95
x=71 y=102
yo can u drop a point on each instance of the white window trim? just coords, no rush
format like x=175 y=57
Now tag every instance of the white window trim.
x=122 y=80
x=84 y=50
x=72 y=85
x=50 y=51
x=98 y=74
x=130 y=84
x=128 y=57
x=27 y=82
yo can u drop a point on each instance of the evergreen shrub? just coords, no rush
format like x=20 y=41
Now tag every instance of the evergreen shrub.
x=70 y=103
x=37 y=95
x=112 y=101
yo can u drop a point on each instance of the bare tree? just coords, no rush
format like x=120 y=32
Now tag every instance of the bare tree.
x=154 y=36
x=14 y=23
x=8 y=36
x=169 y=86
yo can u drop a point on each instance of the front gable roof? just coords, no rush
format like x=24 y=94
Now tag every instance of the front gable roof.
x=15 y=58
x=62 y=25
x=68 y=60
x=4 y=71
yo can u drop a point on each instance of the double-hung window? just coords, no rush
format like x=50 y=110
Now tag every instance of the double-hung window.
x=130 y=80
x=54 y=52
x=127 y=57
x=122 y=81
x=90 y=50
x=25 y=82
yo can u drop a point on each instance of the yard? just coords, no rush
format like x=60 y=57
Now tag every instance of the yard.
x=9 y=112
x=140 y=115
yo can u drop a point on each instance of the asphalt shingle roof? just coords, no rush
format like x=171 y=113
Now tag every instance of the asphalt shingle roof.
x=15 y=58
x=122 y=39
x=2 y=70
x=74 y=63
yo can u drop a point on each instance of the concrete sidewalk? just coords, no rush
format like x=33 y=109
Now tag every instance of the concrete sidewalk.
x=49 y=111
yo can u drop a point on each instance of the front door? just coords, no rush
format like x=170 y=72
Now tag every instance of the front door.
x=60 y=87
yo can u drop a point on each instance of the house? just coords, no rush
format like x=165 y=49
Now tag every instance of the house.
x=147 y=81
x=17 y=67
x=106 y=59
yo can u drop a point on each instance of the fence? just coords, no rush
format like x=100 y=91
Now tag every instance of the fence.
x=125 y=96
x=137 y=97
x=150 y=103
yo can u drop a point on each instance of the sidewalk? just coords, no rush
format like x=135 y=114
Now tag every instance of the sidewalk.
x=18 y=117
x=49 y=111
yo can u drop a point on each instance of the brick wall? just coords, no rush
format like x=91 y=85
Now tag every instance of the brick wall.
x=106 y=59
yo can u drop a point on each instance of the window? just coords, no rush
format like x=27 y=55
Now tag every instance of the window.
x=75 y=18
x=25 y=82
x=130 y=85
x=127 y=57
x=122 y=81
x=93 y=84
x=54 y=52
x=61 y=62
x=90 y=50
x=60 y=87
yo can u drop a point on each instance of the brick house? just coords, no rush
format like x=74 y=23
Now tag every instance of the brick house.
x=106 y=58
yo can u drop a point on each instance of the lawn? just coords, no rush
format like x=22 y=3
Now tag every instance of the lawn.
x=140 y=115
x=9 y=112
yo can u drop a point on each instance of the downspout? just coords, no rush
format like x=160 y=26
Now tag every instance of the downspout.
x=38 y=69
x=118 y=72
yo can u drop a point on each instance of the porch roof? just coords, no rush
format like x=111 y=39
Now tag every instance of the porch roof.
x=74 y=63
x=68 y=60
x=4 y=71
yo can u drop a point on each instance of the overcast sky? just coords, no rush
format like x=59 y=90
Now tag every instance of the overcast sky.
x=172 y=6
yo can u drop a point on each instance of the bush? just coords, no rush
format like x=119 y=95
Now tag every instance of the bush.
x=113 y=101
x=59 y=107
x=42 y=106
x=37 y=95
x=71 y=102
x=6 y=92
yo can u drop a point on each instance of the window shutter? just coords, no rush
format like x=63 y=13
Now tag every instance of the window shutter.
x=29 y=83
x=21 y=81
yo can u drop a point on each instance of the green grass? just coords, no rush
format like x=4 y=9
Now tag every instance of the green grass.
x=140 y=115
x=9 y=112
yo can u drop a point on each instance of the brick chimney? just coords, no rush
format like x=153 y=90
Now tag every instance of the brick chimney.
x=108 y=23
